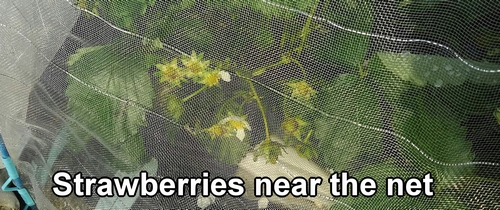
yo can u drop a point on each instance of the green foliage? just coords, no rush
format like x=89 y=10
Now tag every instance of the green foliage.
x=168 y=23
x=343 y=47
x=423 y=69
x=397 y=75
x=174 y=106
x=151 y=59
x=270 y=150
x=478 y=43
x=115 y=124
x=436 y=131
x=341 y=142
x=80 y=52
x=305 y=148
x=121 y=13
x=264 y=39
x=229 y=150
x=468 y=98
x=153 y=45
x=429 y=95
x=266 y=8
x=393 y=87
x=437 y=71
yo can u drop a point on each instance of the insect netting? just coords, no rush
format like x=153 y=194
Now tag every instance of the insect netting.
x=260 y=88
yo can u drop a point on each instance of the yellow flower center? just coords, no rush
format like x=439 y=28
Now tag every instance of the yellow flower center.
x=217 y=130
x=238 y=125
x=170 y=72
x=212 y=79
x=194 y=67
x=303 y=88
x=290 y=125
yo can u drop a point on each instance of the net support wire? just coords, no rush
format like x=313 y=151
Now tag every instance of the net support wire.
x=14 y=178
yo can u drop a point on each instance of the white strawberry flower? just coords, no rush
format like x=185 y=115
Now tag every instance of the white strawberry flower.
x=224 y=75
x=238 y=124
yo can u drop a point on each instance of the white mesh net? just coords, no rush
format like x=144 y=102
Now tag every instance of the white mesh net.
x=254 y=89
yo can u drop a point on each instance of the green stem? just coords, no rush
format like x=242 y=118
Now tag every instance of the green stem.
x=306 y=140
x=194 y=93
x=305 y=30
x=261 y=70
x=259 y=104
x=273 y=65
x=300 y=66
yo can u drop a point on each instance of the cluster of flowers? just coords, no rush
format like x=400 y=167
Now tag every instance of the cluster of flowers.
x=195 y=68
x=301 y=90
x=230 y=126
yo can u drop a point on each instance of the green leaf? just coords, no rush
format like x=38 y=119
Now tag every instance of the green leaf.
x=270 y=150
x=151 y=60
x=171 y=26
x=114 y=123
x=435 y=130
x=144 y=7
x=264 y=39
x=229 y=150
x=152 y=44
x=391 y=85
x=343 y=47
x=464 y=99
x=80 y=52
x=341 y=142
x=435 y=70
x=266 y=8
x=186 y=4
x=123 y=13
x=174 y=106
x=157 y=43
x=305 y=150
x=468 y=98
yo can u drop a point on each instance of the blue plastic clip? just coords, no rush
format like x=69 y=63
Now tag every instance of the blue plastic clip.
x=14 y=178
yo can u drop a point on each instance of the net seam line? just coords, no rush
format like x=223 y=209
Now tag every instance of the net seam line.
x=273 y=90
x=90 y=86
x=381 y=36
x=363 y=33
x=133 y=103
x=287 y=171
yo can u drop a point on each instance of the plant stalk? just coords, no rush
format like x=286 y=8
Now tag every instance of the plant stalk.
x=262 y=111
x=194 y=93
